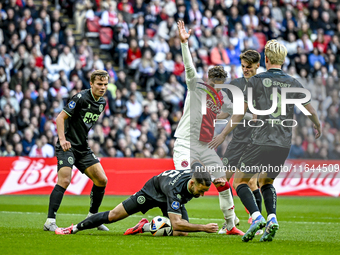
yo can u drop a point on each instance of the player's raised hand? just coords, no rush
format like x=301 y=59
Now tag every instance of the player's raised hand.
x=318 y=131
x=211 y=228
x=66 y=145
x=216 y=141
x=183 y=34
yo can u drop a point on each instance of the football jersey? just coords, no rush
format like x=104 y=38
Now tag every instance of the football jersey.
x=241 y=133
x=194 y=124
x=170 y=187
x=83 y=111
x=272 y=132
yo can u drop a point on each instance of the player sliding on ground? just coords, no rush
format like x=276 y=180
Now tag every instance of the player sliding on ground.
x=73 y=125
x=169 y=191
x=250 y=62
x=196 y=129
x=271 y=141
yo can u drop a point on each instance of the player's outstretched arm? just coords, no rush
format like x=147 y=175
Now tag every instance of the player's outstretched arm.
x=66 y=145
x=178 y=224
x=222 y=115
x=190 y=71
x=315 y=119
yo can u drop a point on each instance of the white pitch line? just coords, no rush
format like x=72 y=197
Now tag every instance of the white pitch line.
x=151 y=217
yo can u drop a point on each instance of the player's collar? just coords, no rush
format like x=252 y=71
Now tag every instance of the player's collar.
x=275 y=69
x=93 y=96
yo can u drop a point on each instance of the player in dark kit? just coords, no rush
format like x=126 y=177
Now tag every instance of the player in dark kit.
x=73 y=125
x=250 y=62
x=169 y=191
x=271 y=140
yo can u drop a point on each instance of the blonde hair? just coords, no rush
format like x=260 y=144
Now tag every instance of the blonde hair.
x=275 y=52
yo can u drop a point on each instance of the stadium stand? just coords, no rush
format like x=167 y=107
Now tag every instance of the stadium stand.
x=40 y=38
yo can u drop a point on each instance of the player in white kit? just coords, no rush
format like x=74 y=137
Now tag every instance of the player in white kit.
x=196 y=129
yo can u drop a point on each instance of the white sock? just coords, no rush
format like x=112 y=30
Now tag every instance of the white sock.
x=227 y=207
x=146 y=227
x=270 y=216
x=255 y=215
x=50 y=220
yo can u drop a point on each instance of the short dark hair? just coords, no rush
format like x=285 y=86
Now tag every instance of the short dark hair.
x=251 y=56
x=217 y=73
x=99 y=73
x=200 y=175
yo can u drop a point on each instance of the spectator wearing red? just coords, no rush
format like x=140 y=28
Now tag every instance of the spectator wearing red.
x=179 y=66
x=123 y=4
x=134 y=55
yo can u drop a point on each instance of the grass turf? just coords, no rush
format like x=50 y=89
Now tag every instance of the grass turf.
x=307 y=226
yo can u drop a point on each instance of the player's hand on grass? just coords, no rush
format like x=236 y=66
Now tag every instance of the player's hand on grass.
x=318 y=131
x=66 y=145
x=216 y=141
x=183 y=34
x=211 y=228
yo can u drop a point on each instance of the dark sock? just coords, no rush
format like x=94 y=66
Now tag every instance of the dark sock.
x=258 y=198
x=247 y=198
x=97 y=194
x=55 y=201
x=94 y=221
x=269 y=197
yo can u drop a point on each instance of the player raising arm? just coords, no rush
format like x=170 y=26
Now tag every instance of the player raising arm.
x=271 y=141
x=196 y=128
x=73 y=125
x=169 y=191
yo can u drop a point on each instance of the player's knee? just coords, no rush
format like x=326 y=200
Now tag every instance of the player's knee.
x=236 y=183
x=264 y=181
x=101 y=182
x=113 y=216
x=253 y=185
x=64 y=182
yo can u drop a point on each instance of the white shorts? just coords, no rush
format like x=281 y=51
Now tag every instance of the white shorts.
x=186 y=152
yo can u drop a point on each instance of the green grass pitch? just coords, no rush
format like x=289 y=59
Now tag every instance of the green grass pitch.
x=307 y=226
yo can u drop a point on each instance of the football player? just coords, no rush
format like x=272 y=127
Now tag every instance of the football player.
x=271 y=140
x=169 y=191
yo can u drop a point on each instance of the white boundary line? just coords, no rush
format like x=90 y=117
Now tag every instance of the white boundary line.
x=151 y=217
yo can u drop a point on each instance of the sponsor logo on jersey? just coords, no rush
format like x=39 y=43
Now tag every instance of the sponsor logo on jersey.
x=71 y=104
x=175 y=205
x=79 y=95
x=70 y=160
x=101 y=108
x=267 y=82
x=225 y=161
x=90 y=117
x=179 y=196
x=185 y=163
x=61 y=162
x=140 y=200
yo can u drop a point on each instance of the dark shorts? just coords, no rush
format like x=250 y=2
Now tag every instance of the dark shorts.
x=233 y=154
x=263 y=158
x=141 y=202
x=81 y=159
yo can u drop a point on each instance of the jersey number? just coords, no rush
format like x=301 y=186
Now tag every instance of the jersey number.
x=278 y=112
x=173 y=173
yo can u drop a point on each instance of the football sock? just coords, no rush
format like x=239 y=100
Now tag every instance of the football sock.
x=55 y=201
x=146 y=227
x=227 y=205
x=270 y=216
x=97 y=194
x=270 y=197
x=94 y=221
x=258 y=198
x=247 y=198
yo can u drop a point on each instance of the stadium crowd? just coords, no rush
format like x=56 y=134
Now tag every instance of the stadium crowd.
x=41 y=67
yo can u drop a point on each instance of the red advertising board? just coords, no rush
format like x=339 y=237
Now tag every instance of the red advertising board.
x=23 y=175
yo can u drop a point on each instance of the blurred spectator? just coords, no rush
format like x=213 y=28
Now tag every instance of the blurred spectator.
x=173 y=92
x=219 y=55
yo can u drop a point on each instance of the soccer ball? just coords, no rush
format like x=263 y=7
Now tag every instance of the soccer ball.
x=160 y=226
